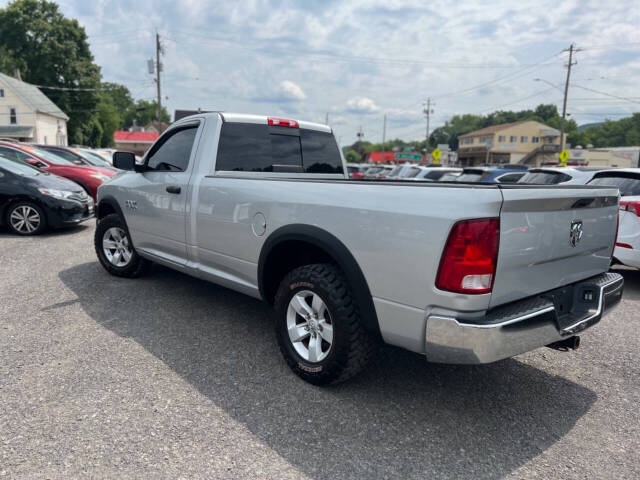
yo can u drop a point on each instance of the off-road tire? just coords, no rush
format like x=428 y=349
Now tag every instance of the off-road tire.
x=352 y=345
x=136 y=267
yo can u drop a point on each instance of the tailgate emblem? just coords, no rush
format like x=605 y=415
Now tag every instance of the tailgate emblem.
x=575 y=233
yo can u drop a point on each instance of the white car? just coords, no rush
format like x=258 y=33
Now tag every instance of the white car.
x=627 y=180
x=437 y=174
x=555 y=175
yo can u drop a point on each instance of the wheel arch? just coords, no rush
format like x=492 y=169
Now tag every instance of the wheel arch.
x=324 y=248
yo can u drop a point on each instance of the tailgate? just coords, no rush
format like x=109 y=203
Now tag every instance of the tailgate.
x=552 y=236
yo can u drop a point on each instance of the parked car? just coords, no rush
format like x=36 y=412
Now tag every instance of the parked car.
x=77 y=155
x=450 y=176
x=89 y=178
x=498 y=174
x=437 y=174
x=627 y=180
x=404 y=170
x=31 y=200
x=356 y=170
x=555 y=175
x=462 y=273
x=378 y=171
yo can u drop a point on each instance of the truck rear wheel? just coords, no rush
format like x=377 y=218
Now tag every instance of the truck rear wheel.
x=115 y=249
x=318 y=325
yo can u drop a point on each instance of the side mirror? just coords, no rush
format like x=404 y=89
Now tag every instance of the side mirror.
x=33 y=162
x=124 y=160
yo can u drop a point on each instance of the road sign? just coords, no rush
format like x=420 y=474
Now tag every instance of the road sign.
x=564 y=156
x=436 y=154
x=408 y=156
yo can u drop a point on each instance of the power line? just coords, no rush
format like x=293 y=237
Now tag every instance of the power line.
x=517 y=101
x=627 y=99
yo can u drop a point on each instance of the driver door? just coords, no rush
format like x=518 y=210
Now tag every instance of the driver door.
x=156 y=207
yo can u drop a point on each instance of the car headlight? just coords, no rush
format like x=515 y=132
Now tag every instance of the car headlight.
x=55 y=193
x=101 y=177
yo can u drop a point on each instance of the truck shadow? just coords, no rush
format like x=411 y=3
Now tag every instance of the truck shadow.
x=402 y=418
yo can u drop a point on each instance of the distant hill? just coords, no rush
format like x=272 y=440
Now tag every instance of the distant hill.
x=586 y=126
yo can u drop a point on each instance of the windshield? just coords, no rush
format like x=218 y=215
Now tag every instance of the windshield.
x=92 y=158
x=374 y=170
x=18 y=168
x=469 y=177
x=448 y=177
x=544 y=178
x=627 y=183
x=47 y=155
x=395 y=171
x=413 y=171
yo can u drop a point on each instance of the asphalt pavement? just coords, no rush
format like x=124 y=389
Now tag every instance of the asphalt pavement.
x=168 y=376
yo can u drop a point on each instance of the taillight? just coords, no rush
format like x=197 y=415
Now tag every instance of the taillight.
x=468 y=263
x=623 y=245
x=615 y=239
x=357 y=175
x=630 y=206
x=282 y=122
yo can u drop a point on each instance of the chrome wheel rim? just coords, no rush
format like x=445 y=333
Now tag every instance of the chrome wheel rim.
x=309 y=326
x=115 y=245
x=25 y=219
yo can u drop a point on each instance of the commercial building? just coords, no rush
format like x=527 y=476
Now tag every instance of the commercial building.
x=528 y=142
x=28 y=115
x=136 y=142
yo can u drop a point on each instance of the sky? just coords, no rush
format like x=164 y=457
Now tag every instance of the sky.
x=354 y=61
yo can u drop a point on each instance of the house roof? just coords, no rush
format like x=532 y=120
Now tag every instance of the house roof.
x=124 y=136
x=492 y=129
x=32 y=96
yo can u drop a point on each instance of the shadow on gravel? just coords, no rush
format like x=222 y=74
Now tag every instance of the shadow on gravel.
x=402 y=418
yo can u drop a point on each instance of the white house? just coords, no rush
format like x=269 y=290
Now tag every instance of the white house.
x=27 y=114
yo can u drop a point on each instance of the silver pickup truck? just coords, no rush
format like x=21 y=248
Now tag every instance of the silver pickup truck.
x=462 y=273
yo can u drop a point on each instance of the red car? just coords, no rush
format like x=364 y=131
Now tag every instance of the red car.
x=88 y=177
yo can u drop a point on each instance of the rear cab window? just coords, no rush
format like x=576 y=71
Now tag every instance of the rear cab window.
x=252 y=147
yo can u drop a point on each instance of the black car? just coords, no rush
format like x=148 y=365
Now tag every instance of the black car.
x=31 y=200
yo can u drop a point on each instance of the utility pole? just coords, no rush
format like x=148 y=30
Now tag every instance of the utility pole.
x=566 y=92
x=427 y=110
x=158 y=68
x=384 y=134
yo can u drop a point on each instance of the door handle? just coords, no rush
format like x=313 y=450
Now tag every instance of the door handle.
x=173 y=189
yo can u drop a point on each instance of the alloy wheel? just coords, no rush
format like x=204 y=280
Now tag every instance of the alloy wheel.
x=25 y=219
x=309 y=326
x=115 y=245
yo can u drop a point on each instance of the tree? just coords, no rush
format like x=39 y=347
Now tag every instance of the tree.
x=119 y=97
x=352 y=156
x=53 y=51
x=144 y=112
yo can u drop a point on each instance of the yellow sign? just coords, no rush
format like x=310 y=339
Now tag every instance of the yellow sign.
x=564 y=156
x=436 y=154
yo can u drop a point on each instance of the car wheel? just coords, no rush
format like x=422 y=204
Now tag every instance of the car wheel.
x=26 y=218
x=318 y=325
x=115 y=249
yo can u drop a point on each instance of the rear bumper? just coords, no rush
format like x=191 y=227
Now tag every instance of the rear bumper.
x=523 y=325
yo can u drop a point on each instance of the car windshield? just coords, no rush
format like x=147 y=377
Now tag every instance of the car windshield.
x=374 y=170
x=469 y=177
x=395 y=171
x=18 y=168
x=627 y=183
x=544 y=178
x=51 y=157
x=92 y=158
x=413 y=171
x=448 y=177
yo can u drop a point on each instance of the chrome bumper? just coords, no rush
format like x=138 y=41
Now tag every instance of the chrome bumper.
x=524 y=325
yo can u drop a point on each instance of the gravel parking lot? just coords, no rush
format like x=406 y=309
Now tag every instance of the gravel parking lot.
x=169 y=376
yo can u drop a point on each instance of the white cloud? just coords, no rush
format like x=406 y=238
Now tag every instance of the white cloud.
x=361 y=105
x=290 y=90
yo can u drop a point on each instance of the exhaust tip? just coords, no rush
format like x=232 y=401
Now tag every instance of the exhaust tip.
x=571 y=343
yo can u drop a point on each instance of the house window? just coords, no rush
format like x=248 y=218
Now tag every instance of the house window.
x=1 y=92
x=535 y=139
x=13 y=119
x=502 y=138
x=524 y=139
x=513 y=139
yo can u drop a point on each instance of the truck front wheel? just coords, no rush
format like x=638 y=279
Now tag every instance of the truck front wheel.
x=115 y=250
x=318 y=325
